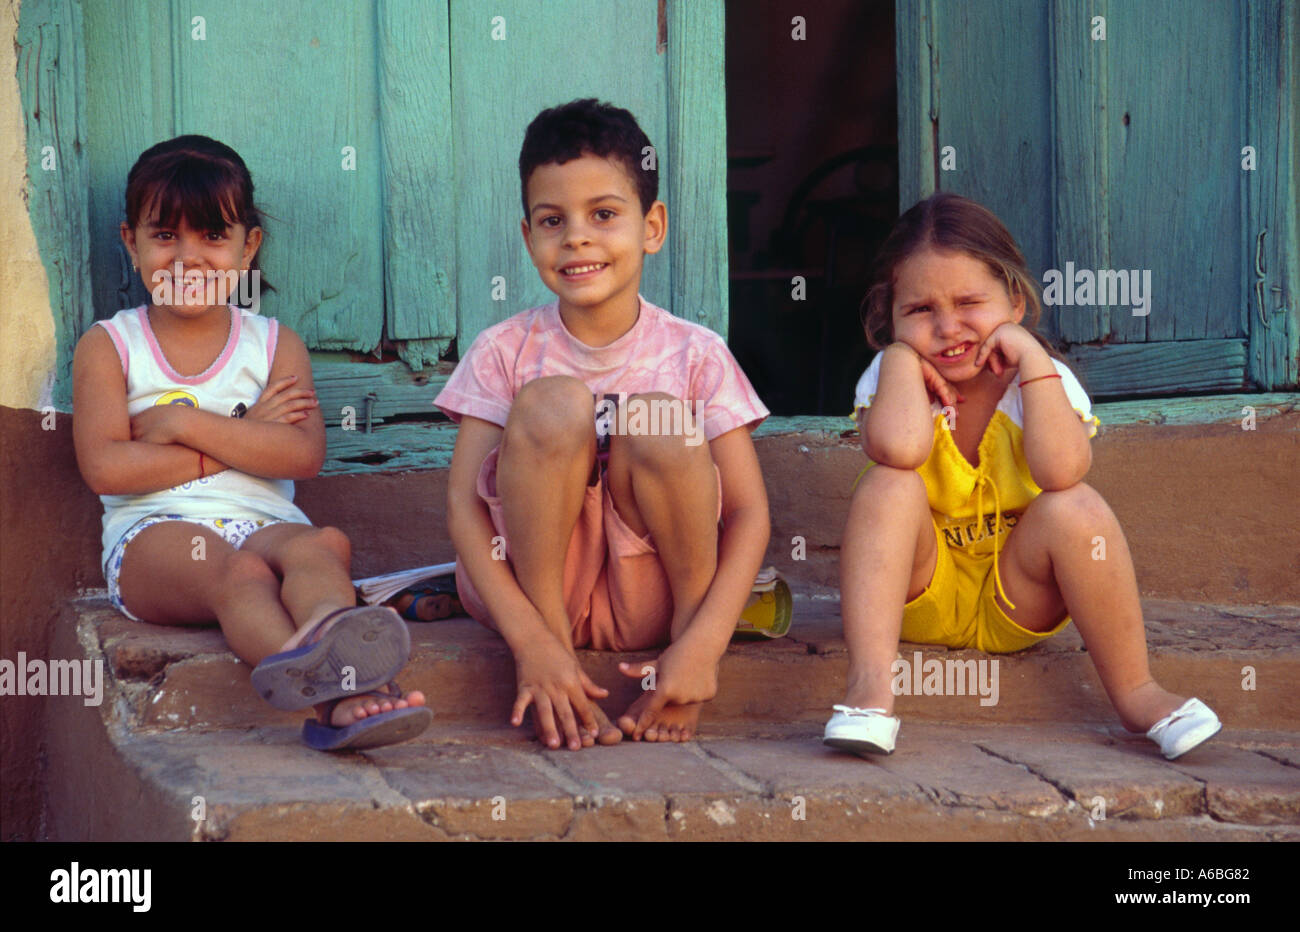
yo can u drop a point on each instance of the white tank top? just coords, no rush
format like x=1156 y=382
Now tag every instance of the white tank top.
x=238 y=376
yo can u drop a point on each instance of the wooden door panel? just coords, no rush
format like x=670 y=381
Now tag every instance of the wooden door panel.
x=1176 y=113
x=597 y=48
x=1130 y=160
x=292 y=86
x=418 y=179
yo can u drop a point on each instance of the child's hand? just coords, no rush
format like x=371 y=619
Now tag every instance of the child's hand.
x=1006 y=348
x=158 y=424
x=283 y=403
x=936 y=385
x=681 y=677
x=551 y=677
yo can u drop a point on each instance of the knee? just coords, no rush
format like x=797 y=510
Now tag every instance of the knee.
x=897 y=484
x=552 y=413
x=308 y=546
x=246 y=569
x=1080 y=506
x=334 y=541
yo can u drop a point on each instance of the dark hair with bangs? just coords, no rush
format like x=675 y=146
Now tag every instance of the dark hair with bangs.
x=195 y=179
x=588 y=127
x=952 y=222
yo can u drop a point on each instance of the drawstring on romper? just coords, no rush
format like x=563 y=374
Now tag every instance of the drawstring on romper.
x=981 y=478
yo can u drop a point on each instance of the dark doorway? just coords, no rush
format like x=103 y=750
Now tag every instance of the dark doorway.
x=812 y=189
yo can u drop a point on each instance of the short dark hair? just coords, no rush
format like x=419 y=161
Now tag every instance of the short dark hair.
x=194 y=178
x=589 y=127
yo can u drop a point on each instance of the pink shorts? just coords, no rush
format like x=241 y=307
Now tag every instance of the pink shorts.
x=615 y=589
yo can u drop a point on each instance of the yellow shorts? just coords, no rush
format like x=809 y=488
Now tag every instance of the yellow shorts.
x=959 y=608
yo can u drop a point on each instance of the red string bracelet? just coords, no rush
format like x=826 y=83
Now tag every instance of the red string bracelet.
x=201 y=473
x=1039 y=379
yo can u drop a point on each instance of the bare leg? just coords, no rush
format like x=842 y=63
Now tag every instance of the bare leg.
x=668 y=489
x=313 y=567
x=1048 y=565
x=547 y=453
x=665 y=488
x=169 y=578
x=312 y=564
x=887 y=558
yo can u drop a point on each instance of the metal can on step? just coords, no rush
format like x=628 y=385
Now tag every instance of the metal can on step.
x=770 y=608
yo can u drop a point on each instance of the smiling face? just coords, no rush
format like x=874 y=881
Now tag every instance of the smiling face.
x=156 y=249
x=588 y=238
x=945 y=306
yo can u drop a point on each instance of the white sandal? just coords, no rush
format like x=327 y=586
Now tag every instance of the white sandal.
x=1191 y=724
x=871 y=731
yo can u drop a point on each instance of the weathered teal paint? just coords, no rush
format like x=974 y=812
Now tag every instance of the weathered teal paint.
x=1270 y=238
x=1124 y=153
x=1173 y=166
x=392 y=448
x=418 y=179
x=994 y=110
x=354 y=390
x=401 y=447
x=414 y=232
x=293 y=91
x=128 y=86
x=303 y=104
x=539 y=58
x=917 y=100
x=697 y=150
x=51 y=68
x=1081 y=131
x=1161 y=367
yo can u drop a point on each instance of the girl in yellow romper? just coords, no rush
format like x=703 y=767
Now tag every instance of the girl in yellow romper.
x=971 y=526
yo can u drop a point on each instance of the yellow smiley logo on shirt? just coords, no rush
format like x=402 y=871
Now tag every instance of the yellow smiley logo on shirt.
x=178 y=398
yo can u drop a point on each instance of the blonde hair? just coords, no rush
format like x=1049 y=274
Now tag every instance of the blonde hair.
x=948 y=221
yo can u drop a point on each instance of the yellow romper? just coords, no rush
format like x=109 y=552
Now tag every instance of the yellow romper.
x=974 y=509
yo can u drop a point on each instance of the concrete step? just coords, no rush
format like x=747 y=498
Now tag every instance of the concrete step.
x=181 y=749
x=1243 y=661
x=945 y=782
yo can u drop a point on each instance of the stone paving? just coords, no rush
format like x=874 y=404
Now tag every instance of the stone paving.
x=183 y=749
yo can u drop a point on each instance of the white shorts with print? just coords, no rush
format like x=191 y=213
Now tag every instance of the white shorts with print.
x=233 y=530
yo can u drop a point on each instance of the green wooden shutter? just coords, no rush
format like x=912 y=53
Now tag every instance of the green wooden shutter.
x=288 y=86
x=543 y=55
x=418 y=178
x=609 y=49
x=431 y=106
x=1122 y=154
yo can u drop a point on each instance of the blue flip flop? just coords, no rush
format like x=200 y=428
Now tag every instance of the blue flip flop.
x=370 y=732
x=348 y=652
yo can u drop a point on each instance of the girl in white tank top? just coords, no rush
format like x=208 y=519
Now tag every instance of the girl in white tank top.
x=192 y=418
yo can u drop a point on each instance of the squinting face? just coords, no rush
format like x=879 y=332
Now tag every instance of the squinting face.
x=586 y=234
x=945 y=306
x=157 y=249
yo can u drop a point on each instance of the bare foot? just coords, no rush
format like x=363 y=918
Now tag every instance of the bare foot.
x=1146 y=705
x=672 y=722
x=351 y=710
x=606 y=732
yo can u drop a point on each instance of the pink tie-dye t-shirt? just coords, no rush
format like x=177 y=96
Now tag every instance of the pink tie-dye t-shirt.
x=661 y=353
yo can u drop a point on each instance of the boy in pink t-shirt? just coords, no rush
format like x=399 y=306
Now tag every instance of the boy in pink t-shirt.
x=604 y=490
